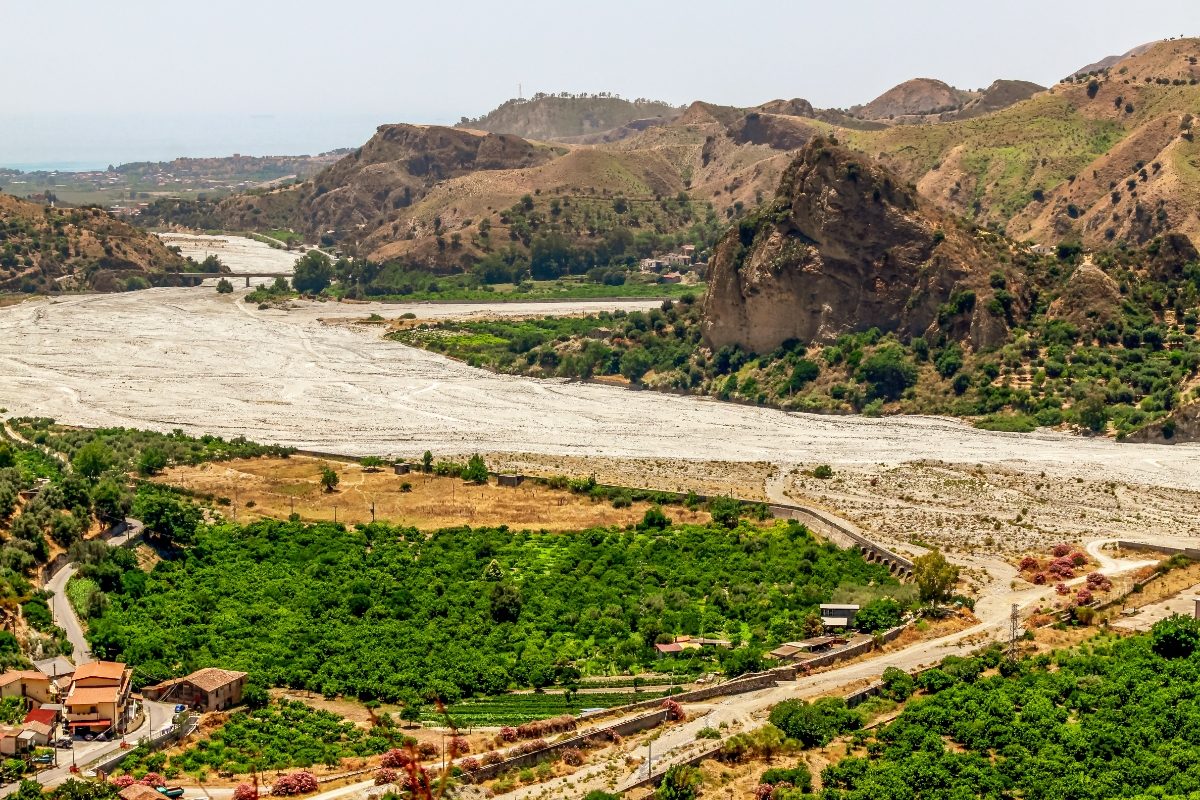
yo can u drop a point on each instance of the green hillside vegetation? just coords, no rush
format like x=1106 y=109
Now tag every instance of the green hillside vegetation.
x=128 y=449
x=1112 y=719
x=1037 y=143
x=279 y=736
x=465 y=612
x=1129 y=369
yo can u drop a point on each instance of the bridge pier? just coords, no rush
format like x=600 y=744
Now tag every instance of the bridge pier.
x=247 y=281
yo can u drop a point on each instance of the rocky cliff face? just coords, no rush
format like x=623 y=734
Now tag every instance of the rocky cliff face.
x=845 y=246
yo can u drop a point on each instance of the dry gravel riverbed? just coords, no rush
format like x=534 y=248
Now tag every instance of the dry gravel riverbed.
x=188 y=358
x=238 y=253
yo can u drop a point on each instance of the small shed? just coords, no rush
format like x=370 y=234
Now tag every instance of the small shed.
x=400 y=469
x=511 y=481
x=838 y=615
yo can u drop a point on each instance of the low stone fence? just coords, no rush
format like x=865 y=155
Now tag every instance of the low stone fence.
x=855 y=699
x=622 y=728
x=851 y=650
x=1147 y=547
x=842 y=534
x=746 y=683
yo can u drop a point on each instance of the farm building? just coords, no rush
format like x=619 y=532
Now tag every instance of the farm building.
x=838 y=615
x=209 y=689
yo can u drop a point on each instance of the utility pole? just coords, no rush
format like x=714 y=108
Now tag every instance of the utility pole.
x=372 y=511
x=1014 y=628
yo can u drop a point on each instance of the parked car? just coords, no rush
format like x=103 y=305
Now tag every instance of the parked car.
x=64 y=743
x=172 y=792
x=180 y=708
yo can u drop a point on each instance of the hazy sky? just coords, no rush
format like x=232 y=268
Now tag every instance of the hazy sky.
x=436 y=61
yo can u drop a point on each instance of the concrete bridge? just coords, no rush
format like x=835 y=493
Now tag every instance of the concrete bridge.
x=200 y=277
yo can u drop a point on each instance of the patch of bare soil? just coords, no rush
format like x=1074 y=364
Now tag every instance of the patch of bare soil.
x=744 y=479
x=275 y=488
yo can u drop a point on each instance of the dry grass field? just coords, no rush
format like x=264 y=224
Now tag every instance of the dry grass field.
x=277 y=487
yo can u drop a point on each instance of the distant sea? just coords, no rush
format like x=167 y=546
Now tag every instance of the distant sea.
x=74 y=143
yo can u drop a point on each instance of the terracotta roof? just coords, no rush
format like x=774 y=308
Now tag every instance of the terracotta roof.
x=111 y=670
x=45 y=716
x=38 y=727
x=208 y=679
x=212 y=678
x=139 y=791
x=93 y=695
x=22 y=675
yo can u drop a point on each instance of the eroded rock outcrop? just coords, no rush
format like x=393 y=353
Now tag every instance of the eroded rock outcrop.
x=844 y=247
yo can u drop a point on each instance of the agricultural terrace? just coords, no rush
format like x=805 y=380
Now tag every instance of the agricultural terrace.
x=281 y=735
x=276 y=488
x=468 y=612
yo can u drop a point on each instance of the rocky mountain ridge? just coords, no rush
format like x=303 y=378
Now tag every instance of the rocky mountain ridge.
x=846 y=246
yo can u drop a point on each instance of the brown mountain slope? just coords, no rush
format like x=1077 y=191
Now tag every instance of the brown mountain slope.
x=1000 y=95
x=48 y=249
x=557 y=118
x=392 y=171
x=845 y=246
x=916 y=97
x=1044 y=168
x=1109 y=61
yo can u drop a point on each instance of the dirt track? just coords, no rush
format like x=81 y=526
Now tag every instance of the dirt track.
x=188 y=358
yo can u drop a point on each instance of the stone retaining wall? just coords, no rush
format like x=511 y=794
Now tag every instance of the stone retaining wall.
x=1147 y=547
x=622 y=728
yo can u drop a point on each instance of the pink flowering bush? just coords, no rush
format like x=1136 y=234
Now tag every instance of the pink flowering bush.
x=153 y=779
x=1061 y=549
x=245 y=791
x=386 y=776
x=395 y=758
x=572 y=757
x=123 y=781
x=469 y=764
x=294 y=783
x=1028 y=564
